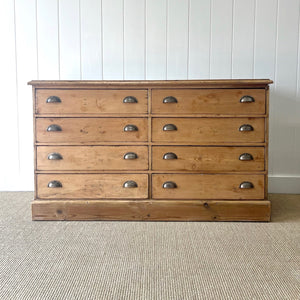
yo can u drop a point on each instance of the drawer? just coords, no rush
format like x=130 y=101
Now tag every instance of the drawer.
x=78 y=130
x=199 y=186
x=92 y=186
x=59 y=101
x=208 y=130
x=209 y=159
x=208 y=101
x=64 y=158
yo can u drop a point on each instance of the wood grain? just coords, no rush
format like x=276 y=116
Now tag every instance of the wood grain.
x=218 y=83
x=208 y=130
x=89 y=186
x=207 y=143
x=91 y=101
x=208 y=101
x=159 y=210
x=80 y=130
x=214 y=159
x=87 y=158
x=207 y=186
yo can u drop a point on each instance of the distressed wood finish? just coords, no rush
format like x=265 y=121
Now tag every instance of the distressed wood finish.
x=207 y=170
x=147 y=210
x=213 y=159
x=208 y=101
x=89 y=186
x=136 y=84
x=88 y=158
x=208 y=130
x=80 y=130
x=209 y=186
x=91 y=102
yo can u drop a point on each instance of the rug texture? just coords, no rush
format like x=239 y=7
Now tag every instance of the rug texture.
x=149 y=260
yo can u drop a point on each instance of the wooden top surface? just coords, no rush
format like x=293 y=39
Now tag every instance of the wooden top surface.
x=220 y=83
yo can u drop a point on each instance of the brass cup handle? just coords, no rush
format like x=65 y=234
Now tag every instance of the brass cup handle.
x=246 y=127
x=247 y=99
x=170 y=99
x=169 y=185
x=246 y=185
x=55 y=156
x=169 y=127
x=245 y=157
x=130 y=99
x=54 y=184
x=130 y=184
x=53 y=99
x=54 y=127
x=130 y=155
x=170 y=155
x=130 y=127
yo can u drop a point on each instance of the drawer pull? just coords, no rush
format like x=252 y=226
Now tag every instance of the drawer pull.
x=54 y=127
x=246 y=185
x=130 y=128
x=130 y=184
x=130 y=99
x=169 y=127
x=170 y=155
x=246 y=156
x=169 y=185
x=170 y=99
x=55 y=156
x=130 y=155
x=53 y=99
x=54 y=184
x=247 y=99
x=246 y=127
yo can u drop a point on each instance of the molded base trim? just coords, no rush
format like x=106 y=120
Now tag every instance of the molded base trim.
x=152 y=210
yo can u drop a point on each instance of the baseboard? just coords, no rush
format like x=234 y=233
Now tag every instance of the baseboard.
x=284 y=184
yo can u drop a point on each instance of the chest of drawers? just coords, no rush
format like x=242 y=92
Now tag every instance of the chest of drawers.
x=193 y=150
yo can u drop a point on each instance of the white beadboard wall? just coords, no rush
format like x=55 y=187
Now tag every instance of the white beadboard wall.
x=149 y=39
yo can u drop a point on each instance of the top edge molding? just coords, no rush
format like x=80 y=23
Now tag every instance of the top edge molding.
x=219 y=83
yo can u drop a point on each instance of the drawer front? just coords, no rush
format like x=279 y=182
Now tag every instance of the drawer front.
x=199 y=186
x=72 y=158
x=208 y=101
x=92 y=186
x=208 y=130
x=209 y=159
x=77 y=130
x=91 y=101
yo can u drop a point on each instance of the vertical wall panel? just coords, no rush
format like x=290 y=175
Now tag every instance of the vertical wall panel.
x=265 y=39
x=134 y=39
x=91 y=36
x=243 y=38
x=69 y=39
x=9 y=156
x=297 y=133
x=156 y=39
x=26 y=70
x=199 y=39
x=265 y=56
x=285 y=114
x=177 y=39
x=112 y=14
x=221 y=39
x=148 y=39
x=47 y=37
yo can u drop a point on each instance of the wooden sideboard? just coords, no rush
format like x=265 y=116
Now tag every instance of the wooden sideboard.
x=191 y=150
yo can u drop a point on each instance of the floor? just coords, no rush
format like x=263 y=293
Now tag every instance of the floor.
x=149 y=260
